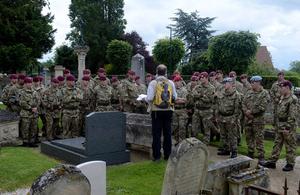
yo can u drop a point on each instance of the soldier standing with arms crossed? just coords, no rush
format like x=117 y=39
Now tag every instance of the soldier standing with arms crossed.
x=285 y=130
x=116 y=100
x=14 y=95
x=7 y=88
x=102 y=95
x=254 y=105
x=190 y=101
x=130 y=93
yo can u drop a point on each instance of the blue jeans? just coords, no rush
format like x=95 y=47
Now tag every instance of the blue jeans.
x=161 y=120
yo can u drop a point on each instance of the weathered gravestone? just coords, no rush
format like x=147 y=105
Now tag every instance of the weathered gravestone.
x=186 y=169
x=105 y=140
x=61 y=180
x=138 y=65
x=95 y=171
x=9 y=128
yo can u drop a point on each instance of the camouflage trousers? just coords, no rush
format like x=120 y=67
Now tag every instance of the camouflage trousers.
x=70 y=121
x=129 y=108
x=8 y=109
x=215 y=129
x=275 y=114
x=179 y=121
x=229 y=136
x=100 y=108
x=239 y=129
x=82 y=114
x=16 y=109
x=255 y=137
x=115 y=107
x=201 y=120
x=290 y=147
x=28 y=131
x=44 y=121
x=52 y=125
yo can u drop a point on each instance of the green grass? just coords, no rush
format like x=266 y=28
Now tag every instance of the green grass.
x=20 y=167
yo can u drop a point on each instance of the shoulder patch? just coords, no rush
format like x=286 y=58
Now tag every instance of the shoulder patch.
x=62 y=92
x=294 y=102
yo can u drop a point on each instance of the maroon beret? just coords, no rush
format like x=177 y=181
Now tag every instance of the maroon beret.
x=172 y=77
x=244 y=76
x=114 y=79
x=219 y=71
x=86 y=78
x=54 y=80
x=27 y=80
x=280 y=73
x=66 y=71
x=101 y=70
x=196 y=74
x=194 y=78
x=22 y=76
x=203 y=74
x=127 y=75
x=212 y=74
x=70 y=78
x=176 y=72
x=148 y=75
x=132 y=72
x=13 y=76
x=86 y=71
x=102 y=78
x=61 y=78
x=41 y=78
x=153 y=78
x=115 y=76
x=137 y=77
x=285 y=83
x=178 y=78
x=36 y=79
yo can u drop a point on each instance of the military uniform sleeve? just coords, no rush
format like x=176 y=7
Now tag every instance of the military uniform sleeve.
x=5 y=97
x=12 y=93
x=45 y=102
x=209 y=97
x=79 y=96
x=66 y=98
x=23 y=102
x=237 y=108
x=263 y=104
x=292 y=115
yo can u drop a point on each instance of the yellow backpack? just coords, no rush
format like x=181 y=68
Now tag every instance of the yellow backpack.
x=163 y=94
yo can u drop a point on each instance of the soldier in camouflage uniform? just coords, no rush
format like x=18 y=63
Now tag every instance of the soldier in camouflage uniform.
x=87 y=73
x=219 y=76
x=180 y=117
x=254 y=105
x=148 y=79
x=239 y=88
x=71 y=99
x=285 y=131
x=101 y=72
x=142 y=89
x=218 y=88
x=246 y=85
x=7 y=88
x=84 y=107
x=51 y=102
x=66 y=73
x=29 y=102
x=102 y=95
x=116 y=100
x=61 y=83
x=14 y=95
x=275 y=94
x=228 y=112
x=130 y=93
x=177 y=73
x=203 y=95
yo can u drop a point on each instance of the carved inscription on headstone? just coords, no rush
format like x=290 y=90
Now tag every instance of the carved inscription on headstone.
x=186 y=169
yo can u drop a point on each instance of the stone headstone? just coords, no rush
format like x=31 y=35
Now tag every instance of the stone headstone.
x=61 y=180
x=186 y=168
x=138 y=65
x=95 y=171
x=9 y=128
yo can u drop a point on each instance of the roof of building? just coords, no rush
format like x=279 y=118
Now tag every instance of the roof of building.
x=262 y=55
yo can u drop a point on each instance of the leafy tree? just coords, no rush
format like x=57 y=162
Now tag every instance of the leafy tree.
x=233 y=51
x=64 y=56
x=118 y=54
x=192 y=29
x=265 y=70
x=104 y=23
x=295 y=66
x=139 y=46
x=25 y=33
x=161 y=52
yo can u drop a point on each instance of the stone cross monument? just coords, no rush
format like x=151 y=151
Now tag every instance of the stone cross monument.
x=81 y=49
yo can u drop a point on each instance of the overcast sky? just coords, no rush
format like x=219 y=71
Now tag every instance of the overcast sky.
x=277 y=21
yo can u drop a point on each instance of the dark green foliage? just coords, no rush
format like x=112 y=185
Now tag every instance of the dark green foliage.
x=104 y=23
x=233 y=51
x=64 y=56
x=161 y=52
x=25 y=33
x=295 y=66
x=198 y=64
x=119 y=54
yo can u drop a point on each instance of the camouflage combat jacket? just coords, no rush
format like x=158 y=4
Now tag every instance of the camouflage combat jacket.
x=257 y=102
x=129 y=92
x=86 y=94
x=91 y=84
x=40 y=91
x=181 y=93
x=218 y=87
x=142 y=89
x=274 y=91
x=14 y=95
x=190 y=100
x=246 y=88
x=239 y=86
x=116 y=93
x=28 y=100
x=51 y=99
x=71 y=98
x=96 y=81
x=204 y=99
x=5 y=94
x=102 y=95
x=229 y=106
x=288 y=108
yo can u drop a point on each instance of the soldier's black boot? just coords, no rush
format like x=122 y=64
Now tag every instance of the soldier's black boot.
x=251 y=155
x=221 y=149
x=33 y=145
x=218 y=137
x=211 y=138
x=269 y=165
x=223 y=153
x=239 y=142
x=25 y=144
x=233 y=155
x=288 y=167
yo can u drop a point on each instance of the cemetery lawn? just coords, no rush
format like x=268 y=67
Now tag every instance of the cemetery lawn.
x=20 y=167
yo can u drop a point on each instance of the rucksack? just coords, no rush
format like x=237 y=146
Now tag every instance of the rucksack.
x=163 y=94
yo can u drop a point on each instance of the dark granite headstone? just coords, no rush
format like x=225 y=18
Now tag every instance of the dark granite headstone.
x=6 y=116
x=105 y=140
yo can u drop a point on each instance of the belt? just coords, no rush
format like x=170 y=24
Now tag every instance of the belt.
x=71 y=108
x=223 y=114
x=115 y=102
x=283 y=119
x=84 y=105
x=258 y=114
x=203 y=108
